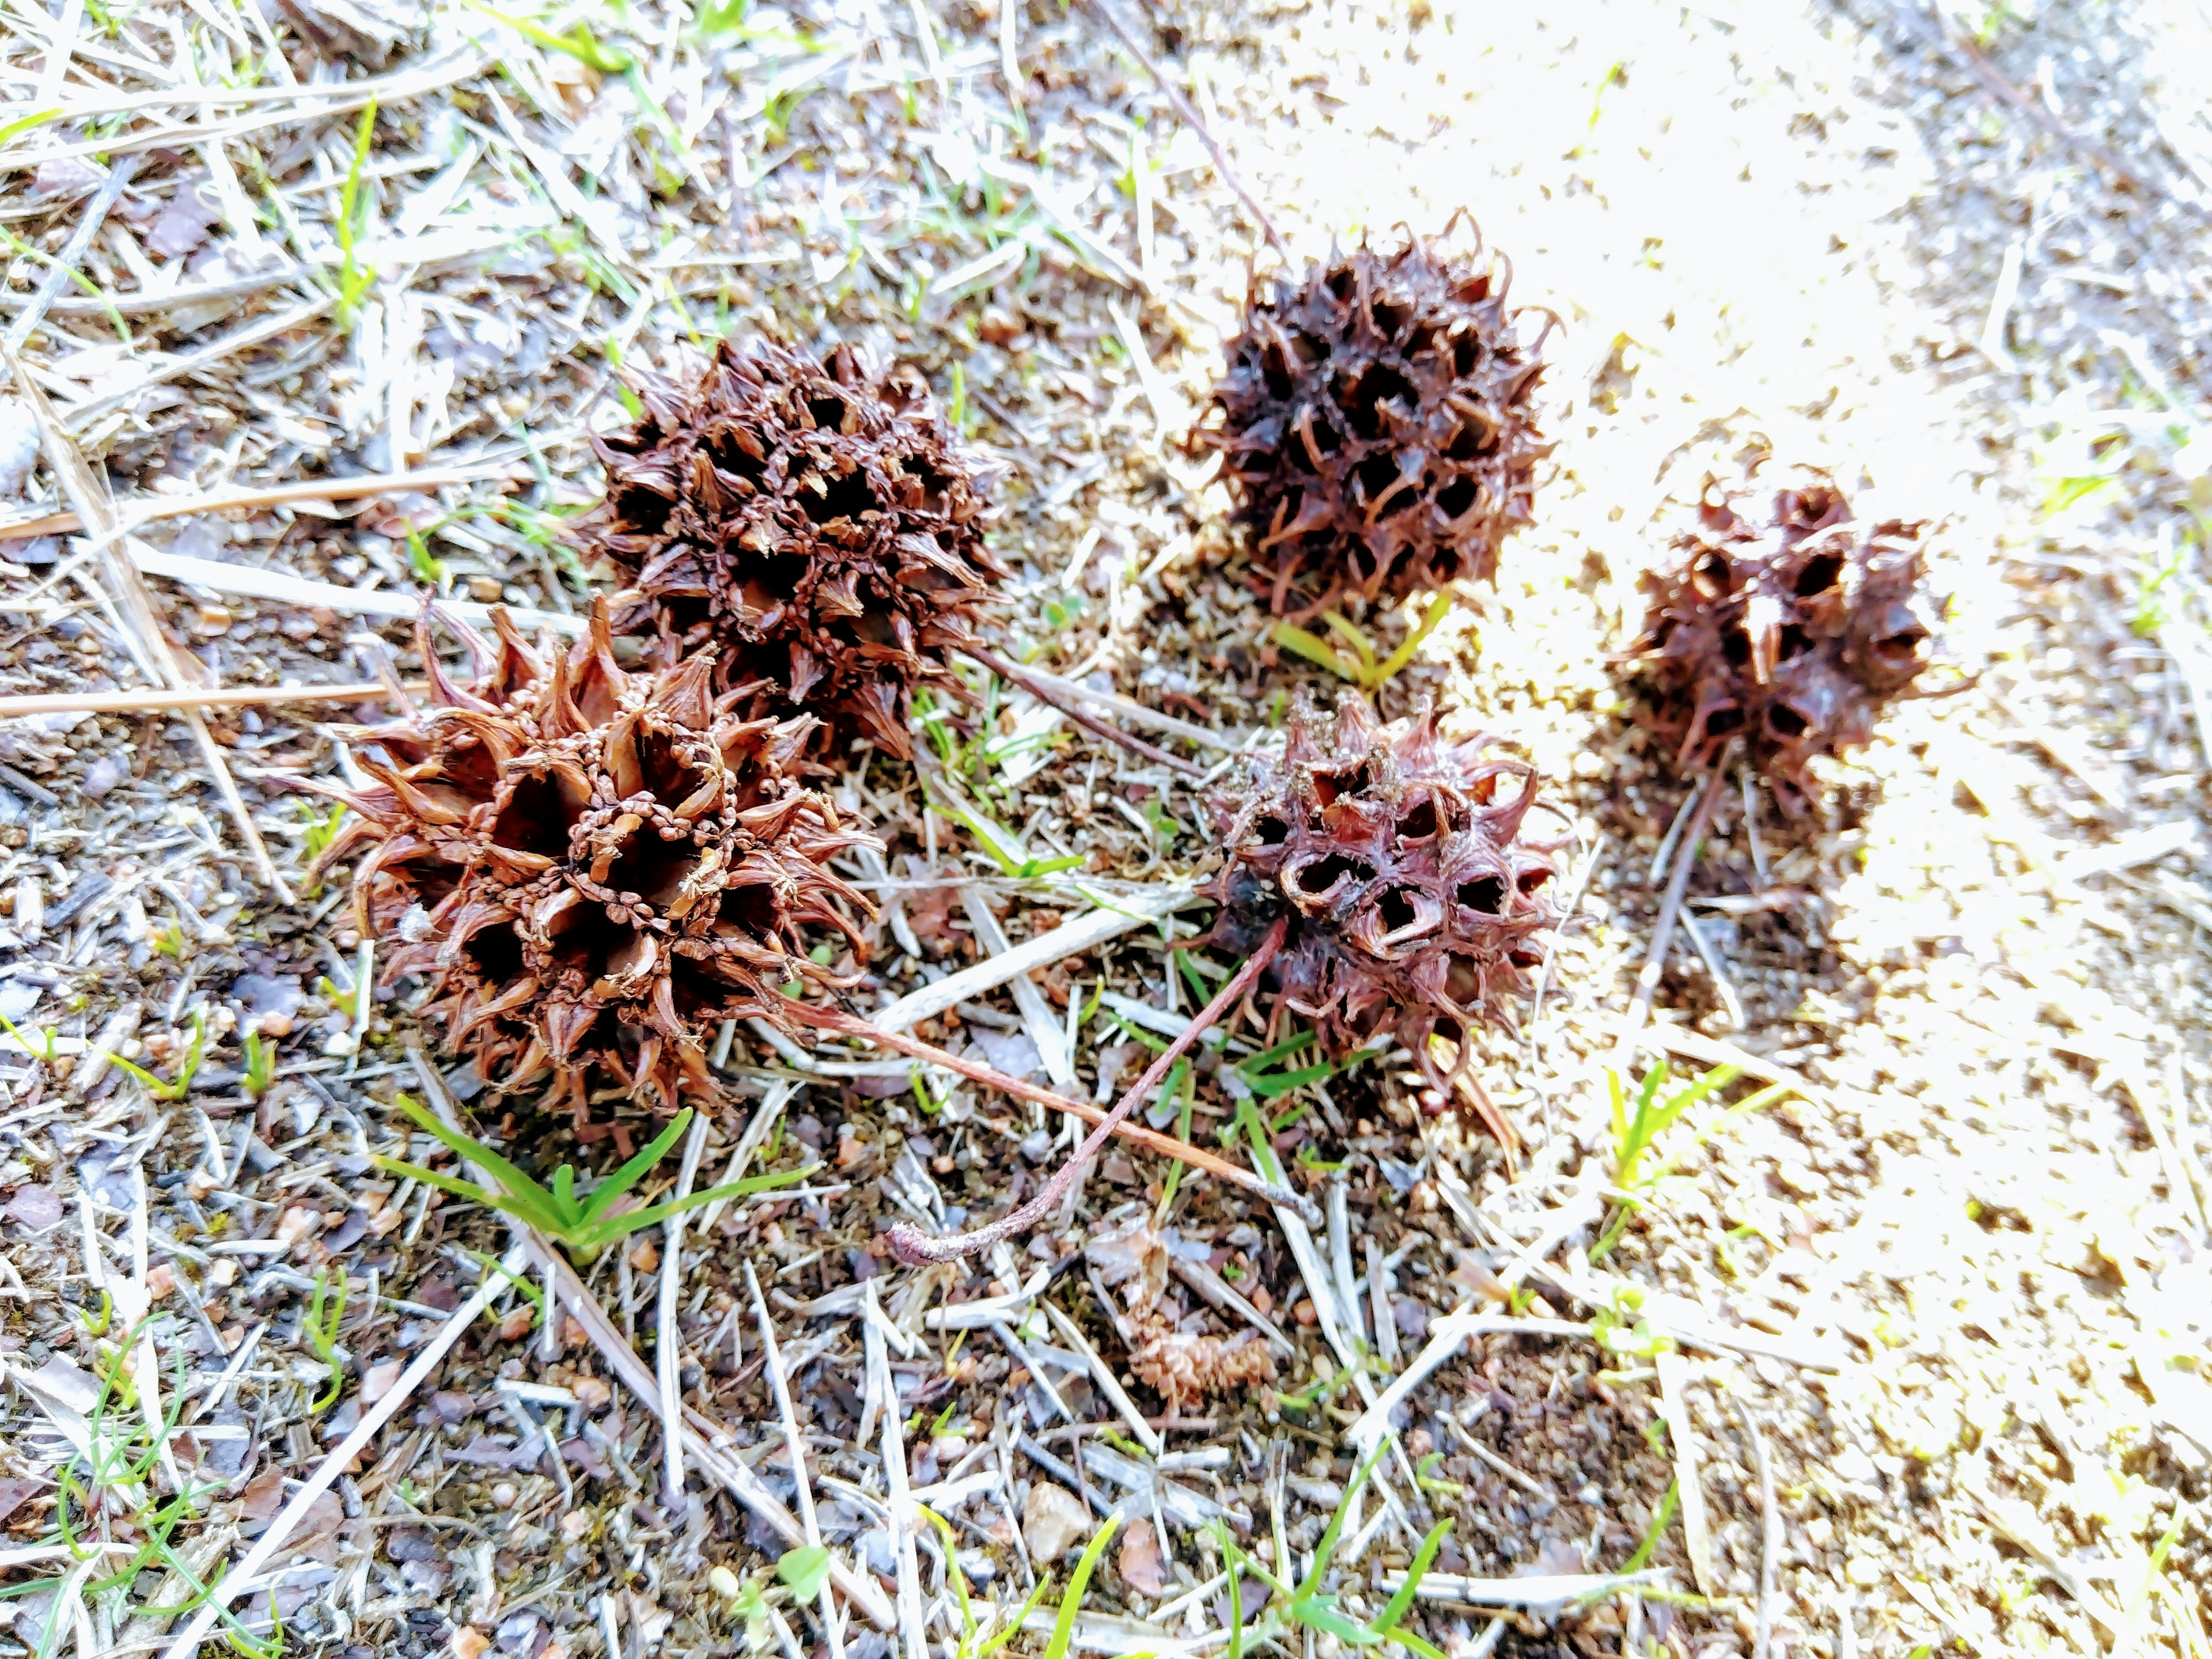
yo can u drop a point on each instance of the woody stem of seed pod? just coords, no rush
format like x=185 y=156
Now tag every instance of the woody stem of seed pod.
x=844 y=1024
x=1012 y=670
x=915 y=1247
x=1711 y=789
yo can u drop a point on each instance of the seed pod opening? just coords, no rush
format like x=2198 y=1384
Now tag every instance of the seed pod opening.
x=1376 y=425
x=1790 y=630
x=592 y=868
x=812 y=518
x=1414 y=901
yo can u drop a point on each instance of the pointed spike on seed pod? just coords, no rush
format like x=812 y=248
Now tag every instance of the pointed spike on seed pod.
x=796 y=483
x=687 y=696
x=519 y=830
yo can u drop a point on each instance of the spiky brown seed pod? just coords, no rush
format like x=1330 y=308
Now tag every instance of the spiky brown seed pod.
x=813 y=519
x=1414 y=903
x=1377 y=427
x=1791 y=631
x=592 y=868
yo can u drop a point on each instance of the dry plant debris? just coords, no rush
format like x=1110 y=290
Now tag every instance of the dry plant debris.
x=1397 y=854
x=1820 y=231
x=814 y=519
x=1377 y=424
x=594 y=868
x=1790 y=629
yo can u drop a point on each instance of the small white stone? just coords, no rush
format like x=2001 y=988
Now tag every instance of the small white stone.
x=1053 y=1518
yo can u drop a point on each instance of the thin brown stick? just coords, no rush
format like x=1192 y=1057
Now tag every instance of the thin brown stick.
x=1670 y=908
x=1189 y=115
x=845 y=1024
x=146 y=509
x=915 y=1247
x=155 y=703
x=1067 y=706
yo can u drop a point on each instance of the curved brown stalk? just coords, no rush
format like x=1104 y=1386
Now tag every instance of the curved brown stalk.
x=844 y=1024
x=914 y=1247
x=1004 y=669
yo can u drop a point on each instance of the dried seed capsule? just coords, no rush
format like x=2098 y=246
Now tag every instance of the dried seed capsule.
x=1792 y=631
x=1415 y=903
x=812 y=520
x=1376 y=426
x=592 y=868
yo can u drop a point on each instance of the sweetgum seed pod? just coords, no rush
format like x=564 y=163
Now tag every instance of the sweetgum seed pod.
x=1376 y=426
x=1792 y=630
x=812 y=520
x=1415 y=904
x=594 y=867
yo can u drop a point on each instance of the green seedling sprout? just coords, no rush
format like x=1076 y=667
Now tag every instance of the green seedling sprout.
x=343 y=1001
x=805 y=1570
x=355 y=278
x=260 y=1063
x=1358 y=662
x=1063 y=1628
x=1308 y=1606
x=1639 y=1123
x=195 y=1051
x=318 y=1329
x=582 y=1228
x=44 y=1048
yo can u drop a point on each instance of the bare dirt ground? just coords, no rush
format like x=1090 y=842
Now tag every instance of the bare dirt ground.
x=1926 y=1345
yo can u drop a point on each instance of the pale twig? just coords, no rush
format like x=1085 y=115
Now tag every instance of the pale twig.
x=1185 y=114
x=238 y=1580
x=911 y=1629
x=343 y=97
x=87 y=492
x=1108 y=1384
x=912 y=1246
x=1136 y=712
x=82 y=415
x=1045 y=692
x=146 y=509
x=771 y=1108
x=1052 y=1045
x=1447 y=1336
x=830 y=1019
x=1663 y=930
x=1127 y=912
x=794 y=1447
x=668 y=1343
x=1770 y=1533
x=1731 y=1005
x=152 y=702
x=63 y=271
x=1697 y=1531
x=255 y=583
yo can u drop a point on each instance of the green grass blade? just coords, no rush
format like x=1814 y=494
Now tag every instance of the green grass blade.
x=1403 y=1601
x=634 y=1171
x=468 y=1189
x=1389 y=668
x=1656 y=1530
x=1314 y=649
x=517 y=1185
x=608 y=1228
x=1326 y=1547
x=1063 y=1629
